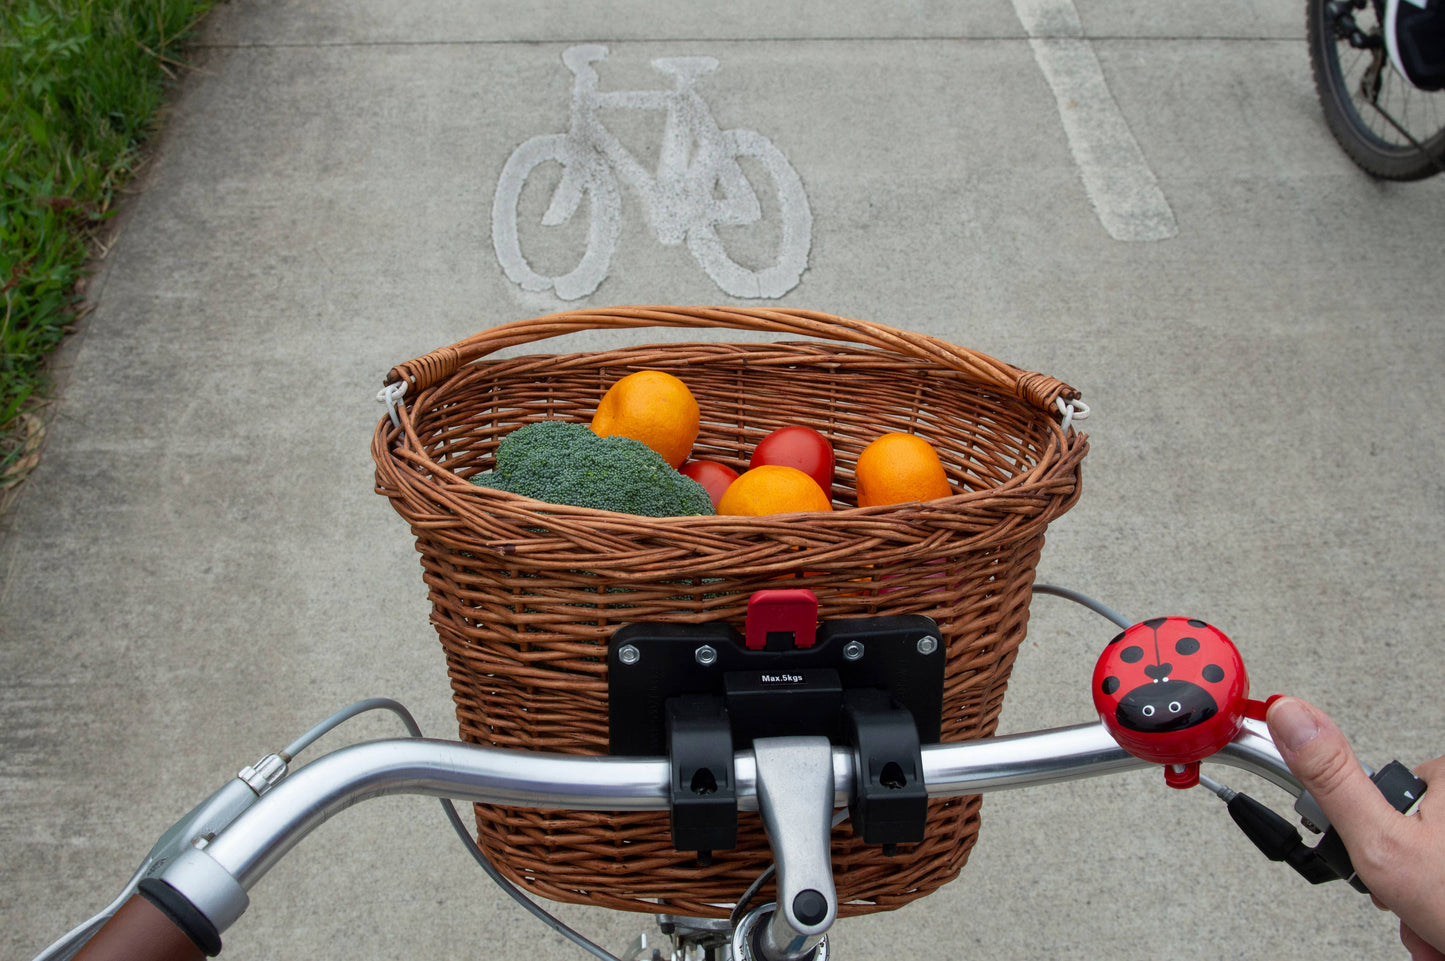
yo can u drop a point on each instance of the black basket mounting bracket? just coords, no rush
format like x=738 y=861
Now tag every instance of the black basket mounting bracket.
x=699 y=692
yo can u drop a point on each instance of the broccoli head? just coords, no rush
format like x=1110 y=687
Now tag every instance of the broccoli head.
x=565 y=463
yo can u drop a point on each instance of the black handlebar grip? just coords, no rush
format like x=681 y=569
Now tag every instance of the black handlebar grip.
x=142 y=931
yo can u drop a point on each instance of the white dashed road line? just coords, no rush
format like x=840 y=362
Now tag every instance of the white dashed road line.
x=1116 y=176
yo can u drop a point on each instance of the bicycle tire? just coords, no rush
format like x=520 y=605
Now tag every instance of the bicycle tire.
x=603 y=229
x=797 y=227
x=1364 y=134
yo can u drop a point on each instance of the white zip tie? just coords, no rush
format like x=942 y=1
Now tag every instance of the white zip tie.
x=1072 y=410
x=391 y=395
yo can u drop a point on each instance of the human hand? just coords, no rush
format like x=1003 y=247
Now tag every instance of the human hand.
x=1401 y=859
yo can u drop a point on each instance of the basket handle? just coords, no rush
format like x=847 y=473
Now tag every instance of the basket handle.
x=1040 y=390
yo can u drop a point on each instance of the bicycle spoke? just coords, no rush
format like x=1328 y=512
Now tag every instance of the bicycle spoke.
x=1405 y=135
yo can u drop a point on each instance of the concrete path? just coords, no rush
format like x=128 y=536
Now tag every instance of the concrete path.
x=1141 y=199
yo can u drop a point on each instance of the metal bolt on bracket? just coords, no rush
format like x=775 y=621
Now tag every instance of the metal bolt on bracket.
x=706 y=655
x=853 y=650
x=629 y=654
x=927 y=644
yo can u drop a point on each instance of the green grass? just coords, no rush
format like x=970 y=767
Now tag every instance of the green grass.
x=81 y=82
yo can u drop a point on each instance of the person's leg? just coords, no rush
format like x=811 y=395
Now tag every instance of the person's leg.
x=1415 y=39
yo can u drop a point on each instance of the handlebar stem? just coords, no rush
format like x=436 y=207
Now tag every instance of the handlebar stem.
x=796 y=796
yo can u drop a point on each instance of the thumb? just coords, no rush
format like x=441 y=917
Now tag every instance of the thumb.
x=1318 y=754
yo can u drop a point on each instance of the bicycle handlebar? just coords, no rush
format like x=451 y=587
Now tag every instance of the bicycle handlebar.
x=465 y=772
x=212 y=875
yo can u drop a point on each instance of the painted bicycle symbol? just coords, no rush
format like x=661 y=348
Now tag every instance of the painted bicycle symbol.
x=698 y=186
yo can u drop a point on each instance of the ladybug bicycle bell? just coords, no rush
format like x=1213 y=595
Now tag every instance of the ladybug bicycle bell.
x=1173 y=690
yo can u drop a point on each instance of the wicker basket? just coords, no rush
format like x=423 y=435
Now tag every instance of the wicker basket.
x=525 y=595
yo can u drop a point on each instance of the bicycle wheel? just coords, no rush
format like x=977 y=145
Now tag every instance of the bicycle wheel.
x=1366 y=102
x=578 y=178
x=794 y=221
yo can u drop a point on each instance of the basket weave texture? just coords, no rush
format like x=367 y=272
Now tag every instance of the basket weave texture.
x=525 y=595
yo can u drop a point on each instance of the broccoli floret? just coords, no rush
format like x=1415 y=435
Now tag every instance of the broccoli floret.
x=565 y=463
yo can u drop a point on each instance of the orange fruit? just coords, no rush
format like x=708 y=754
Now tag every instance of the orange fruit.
x=898 y=468
x=772 y=489
x=654 y=408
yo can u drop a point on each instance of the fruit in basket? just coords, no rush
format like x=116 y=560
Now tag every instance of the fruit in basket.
x=772 y=489
x=714 y=477
x=652 y=407
x=566 y=463
x=899 y=468
x=800 y=447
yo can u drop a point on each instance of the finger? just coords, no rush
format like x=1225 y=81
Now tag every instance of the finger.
x=1419 y=948
x=1431 y=770
x=1432 y=805
x=1321 y=758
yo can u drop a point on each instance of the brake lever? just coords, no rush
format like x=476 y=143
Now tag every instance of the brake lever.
x=1328 y=860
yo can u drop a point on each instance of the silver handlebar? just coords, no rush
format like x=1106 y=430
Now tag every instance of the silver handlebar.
x=263 y=834
x=213 y=856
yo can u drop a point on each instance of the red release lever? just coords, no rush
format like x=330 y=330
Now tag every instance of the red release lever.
x=786 y=618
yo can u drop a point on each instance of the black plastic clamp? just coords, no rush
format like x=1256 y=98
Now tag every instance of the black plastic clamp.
x=890 y=805
x=704 y=800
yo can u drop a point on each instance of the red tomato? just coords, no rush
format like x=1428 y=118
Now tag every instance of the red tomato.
x=713 y=477
x=799 y=447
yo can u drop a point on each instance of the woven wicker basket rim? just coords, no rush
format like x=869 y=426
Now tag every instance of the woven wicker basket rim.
x=1039 y=390
x=1052 y=458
